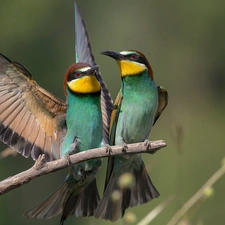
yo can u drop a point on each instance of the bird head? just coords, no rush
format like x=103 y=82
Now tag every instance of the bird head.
x=80 y=78
x=130 y=62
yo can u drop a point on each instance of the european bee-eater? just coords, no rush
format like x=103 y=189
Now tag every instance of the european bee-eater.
x=35 y=122
x=78 y=195
x=137 y=107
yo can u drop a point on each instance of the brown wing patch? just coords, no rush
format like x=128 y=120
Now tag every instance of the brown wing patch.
x=29 y=115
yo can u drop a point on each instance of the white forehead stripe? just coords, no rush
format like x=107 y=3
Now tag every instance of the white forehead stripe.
x=84 y=69
x=125 y=52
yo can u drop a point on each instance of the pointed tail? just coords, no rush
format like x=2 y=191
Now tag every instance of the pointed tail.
x=68 y=199
x=142 y=191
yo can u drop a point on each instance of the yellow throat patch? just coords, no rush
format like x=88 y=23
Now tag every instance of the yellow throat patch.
x=129 y=68
x=85 y=85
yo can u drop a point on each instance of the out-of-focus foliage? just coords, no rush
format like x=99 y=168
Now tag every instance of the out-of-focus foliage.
x=185 y=44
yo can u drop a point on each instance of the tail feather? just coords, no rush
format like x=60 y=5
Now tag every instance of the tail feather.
x=66 y=201
x=109 y=209
x=52 y=206
x=141 y=192
x=83 y=204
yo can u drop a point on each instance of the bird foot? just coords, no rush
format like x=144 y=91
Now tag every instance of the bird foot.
x=147 y=143
x=108 y=149
x=74 y=146
x=67 y=157
x=124 y=147
x=40 y=162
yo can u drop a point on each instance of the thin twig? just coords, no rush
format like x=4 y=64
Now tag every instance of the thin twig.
x=41 y=167
x=155 y=212
x=180 y=213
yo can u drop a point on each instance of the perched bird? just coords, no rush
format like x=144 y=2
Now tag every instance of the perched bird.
x=78 y=195
x=137 y=107
x=35 y=122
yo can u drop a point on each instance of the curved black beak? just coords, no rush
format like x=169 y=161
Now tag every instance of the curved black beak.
x=114 y=55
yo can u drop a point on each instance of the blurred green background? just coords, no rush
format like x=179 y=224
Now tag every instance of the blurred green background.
x=185 y=44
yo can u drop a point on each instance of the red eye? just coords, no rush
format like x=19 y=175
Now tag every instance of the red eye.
x=77 y=74
x=133 y=56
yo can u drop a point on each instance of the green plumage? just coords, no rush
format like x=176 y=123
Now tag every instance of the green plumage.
x=138 y=108
x=135 y=112
x=84 y=112
x=84 y=131
x=78 y=195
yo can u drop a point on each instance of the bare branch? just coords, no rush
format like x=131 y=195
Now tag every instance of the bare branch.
x=41 y=167
x=199 y=194
x=156 y=211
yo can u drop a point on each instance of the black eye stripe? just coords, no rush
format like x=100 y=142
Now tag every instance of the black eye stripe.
x=139 y=58
x=71 y=76
x=142 y=60
x=74 y=75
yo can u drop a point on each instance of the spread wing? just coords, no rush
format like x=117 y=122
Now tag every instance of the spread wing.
x=84 y=54
x=163 y=102
x=31 y=119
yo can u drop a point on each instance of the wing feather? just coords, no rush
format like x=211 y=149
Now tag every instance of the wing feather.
x=84 y=54
x=9 y=120
x=112 y=132
x=33 y=136
x=16 y=124
x=115 y=116
x=163 y=102
x=29 y=115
